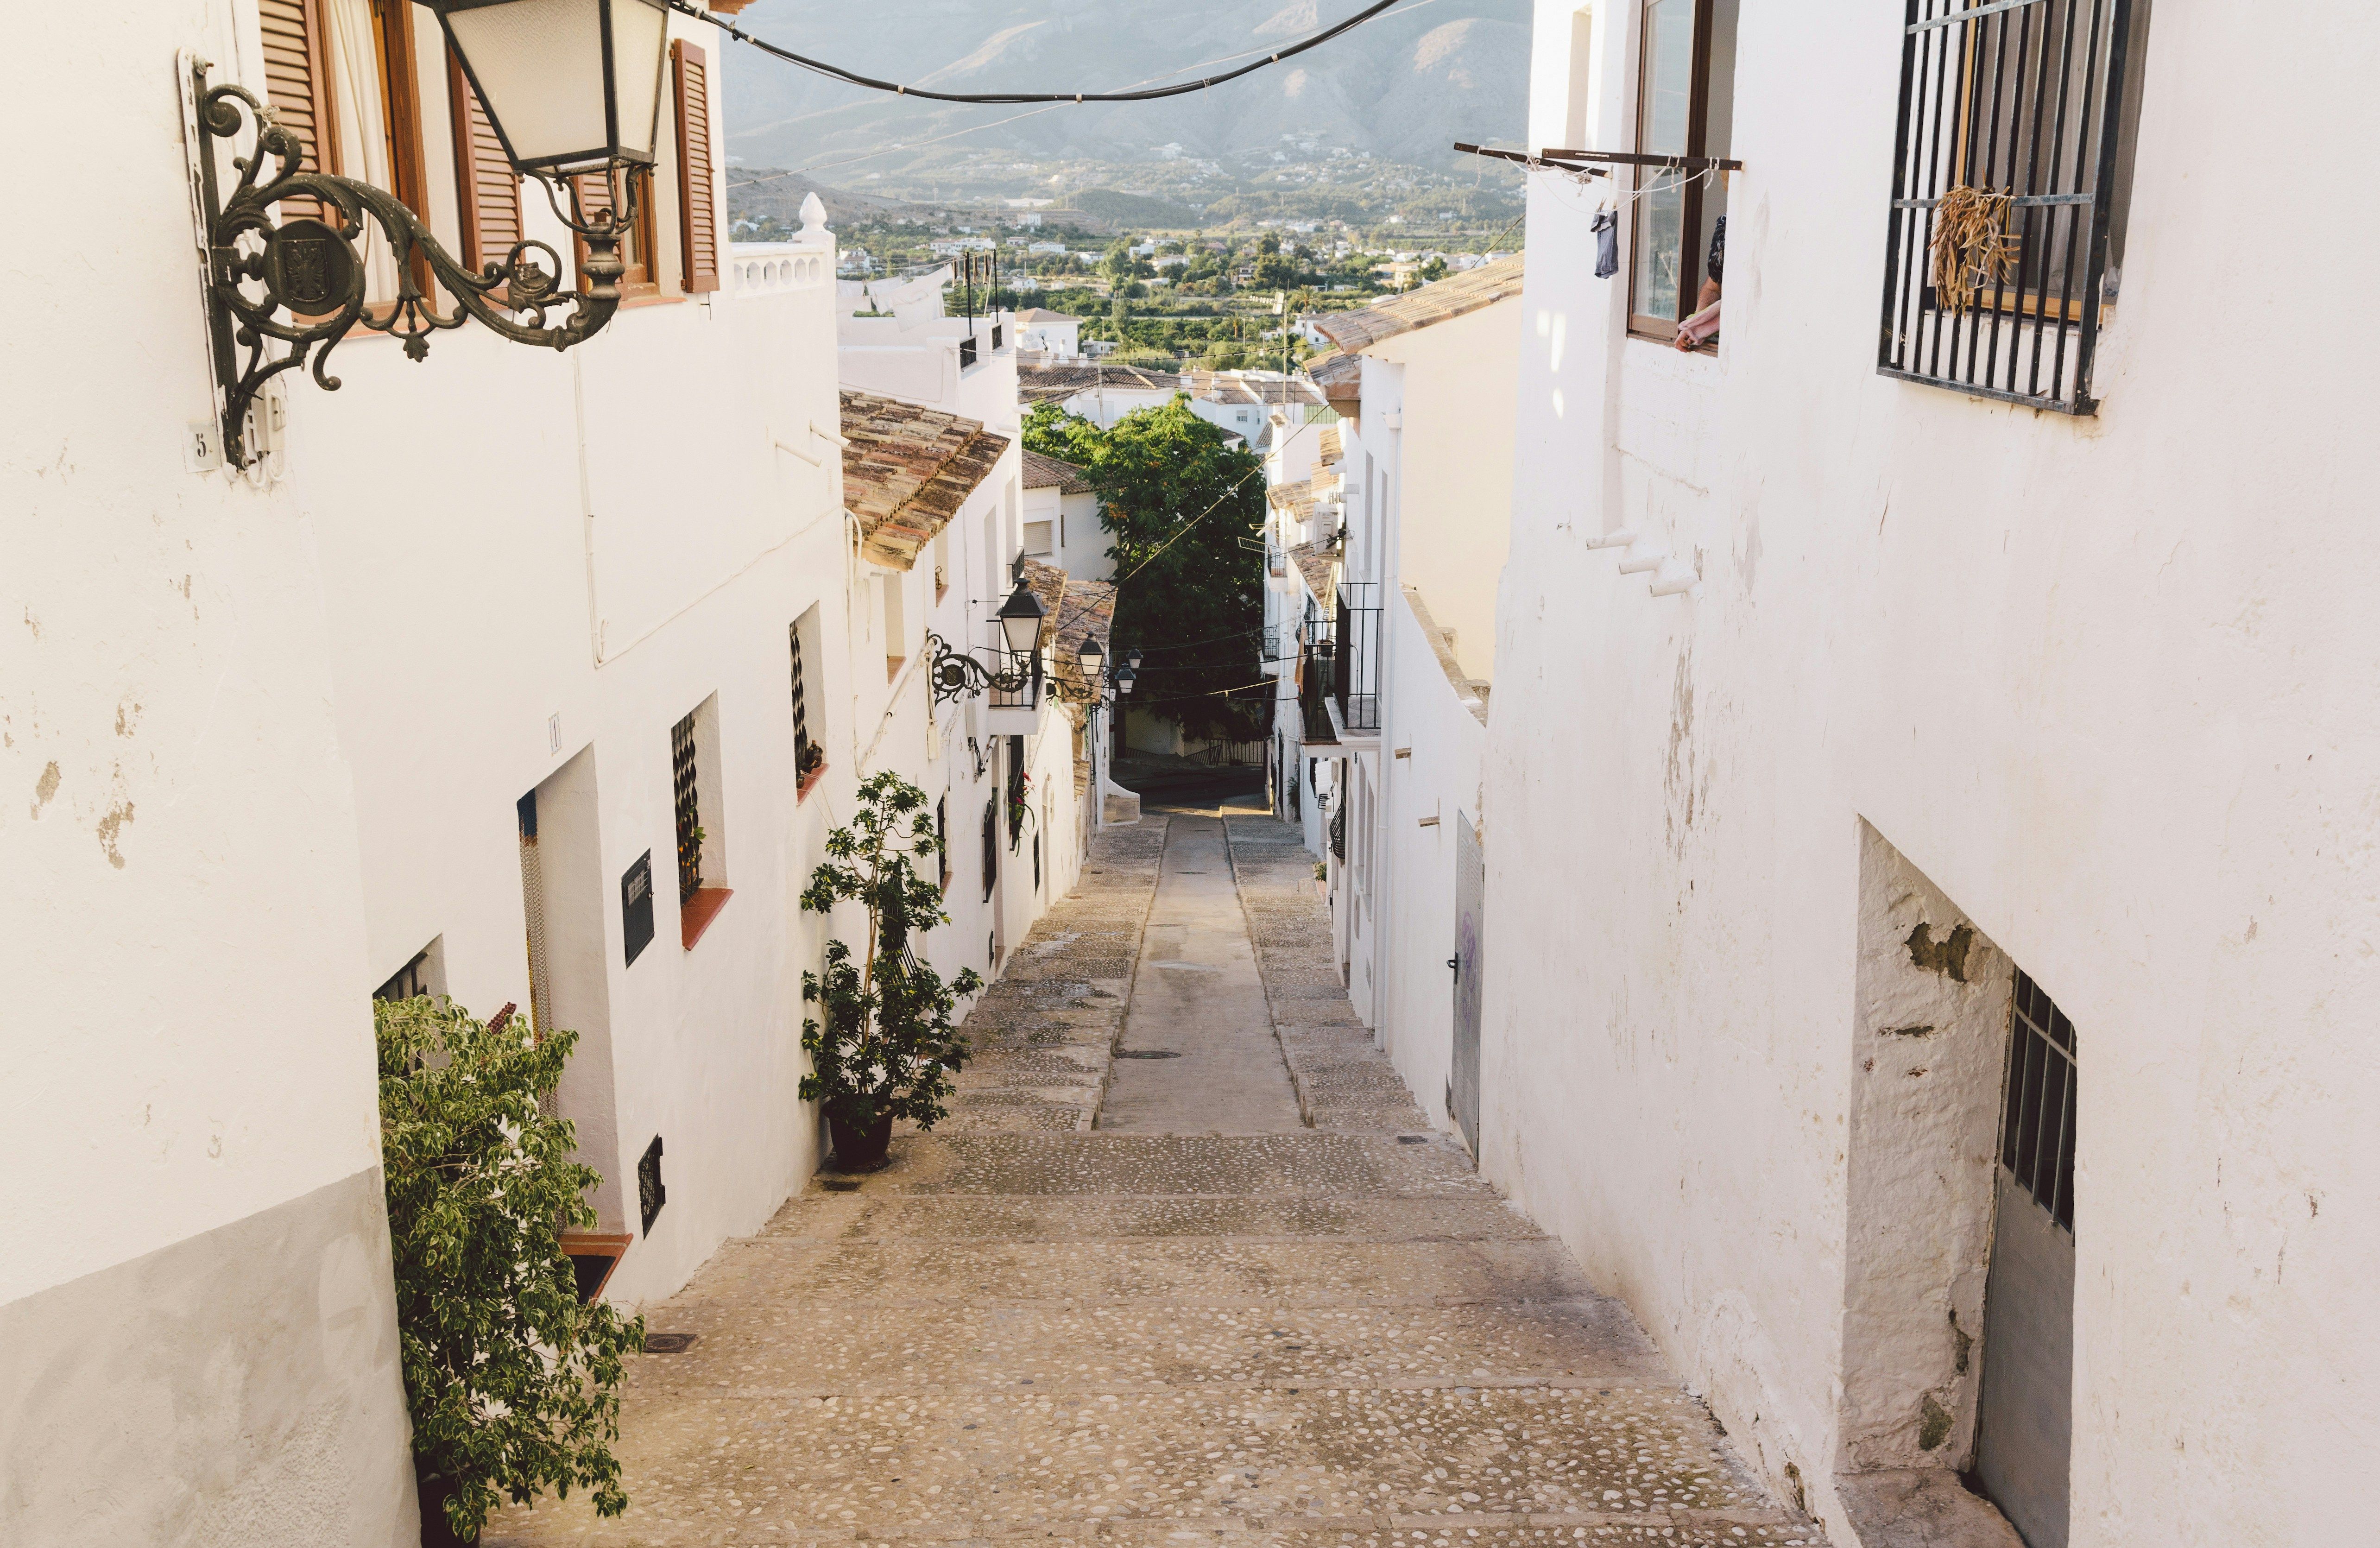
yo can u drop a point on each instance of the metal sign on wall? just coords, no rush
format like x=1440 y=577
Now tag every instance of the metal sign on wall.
x=637 y=905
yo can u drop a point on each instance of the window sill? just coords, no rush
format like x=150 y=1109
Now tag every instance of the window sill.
x=694 y=915
x=1669 y=341
x=593 y=1257
x=808 y=783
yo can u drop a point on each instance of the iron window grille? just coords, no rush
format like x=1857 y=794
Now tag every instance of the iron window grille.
x=2037 y=1122
x=409 y=982
x=2021 y=107
x=967 y=353
x=991 y=846
x=1016 y=790
x=943 y=843
x=806 y=756
x=651 y=1194
x=683 y=777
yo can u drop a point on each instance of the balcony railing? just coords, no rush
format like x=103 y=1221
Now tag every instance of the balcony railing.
x=1355 y=685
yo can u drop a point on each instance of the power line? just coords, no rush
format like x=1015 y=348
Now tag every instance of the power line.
x=1150 y=93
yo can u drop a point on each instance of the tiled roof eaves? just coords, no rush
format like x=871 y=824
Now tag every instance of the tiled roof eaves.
x=1442 y=301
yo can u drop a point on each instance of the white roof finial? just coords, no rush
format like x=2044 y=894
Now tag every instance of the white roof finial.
x=813 y=215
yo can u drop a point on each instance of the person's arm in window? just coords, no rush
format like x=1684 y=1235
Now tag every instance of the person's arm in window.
x=1704 y=324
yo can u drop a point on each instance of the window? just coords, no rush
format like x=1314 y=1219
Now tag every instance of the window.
x=651 y=1194
x=809 y=758
x=1685 y=106
x=990 y=847
x=425 y=974
x=2012 y=173
x=942 y=842
x=2037 y=1122
x=685 y=788
x=532 y=865
x=1036 y=537
x=595 y=191
x=488 y=193
x=341 y=72
x=896 y=627
x=694 y=792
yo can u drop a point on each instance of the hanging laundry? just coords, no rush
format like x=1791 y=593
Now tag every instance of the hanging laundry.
x=1606 y=243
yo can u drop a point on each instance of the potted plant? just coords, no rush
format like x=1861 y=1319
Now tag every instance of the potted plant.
x=513 y=1385
x=882 y=1046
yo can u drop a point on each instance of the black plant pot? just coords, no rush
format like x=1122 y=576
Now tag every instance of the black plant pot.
x=859 y=1148
x=435 y=1492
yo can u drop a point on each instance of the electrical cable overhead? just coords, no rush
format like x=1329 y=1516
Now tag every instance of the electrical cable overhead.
x=1146 y=94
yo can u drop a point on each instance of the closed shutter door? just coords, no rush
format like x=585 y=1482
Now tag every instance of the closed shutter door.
x=488 y=191
x=296 y=83
x=697 y=215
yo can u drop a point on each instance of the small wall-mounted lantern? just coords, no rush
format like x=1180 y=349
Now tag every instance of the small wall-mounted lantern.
x=572 y=88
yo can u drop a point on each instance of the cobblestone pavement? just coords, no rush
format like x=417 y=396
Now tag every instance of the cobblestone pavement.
x=1025 y=1328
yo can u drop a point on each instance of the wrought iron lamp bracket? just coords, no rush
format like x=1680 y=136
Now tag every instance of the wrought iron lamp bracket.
x=301 y=280
x=957 y=674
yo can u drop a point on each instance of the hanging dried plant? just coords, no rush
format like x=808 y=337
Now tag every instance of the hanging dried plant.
x=1971 y=245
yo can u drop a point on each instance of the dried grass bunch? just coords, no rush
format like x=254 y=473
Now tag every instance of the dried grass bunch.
x=1971 y=245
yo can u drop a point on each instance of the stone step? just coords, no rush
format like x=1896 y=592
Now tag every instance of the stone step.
x=1215 y=1271
x=808 y=1345
x=858 y=1215
x=964 y=1466
x=1156 y=1164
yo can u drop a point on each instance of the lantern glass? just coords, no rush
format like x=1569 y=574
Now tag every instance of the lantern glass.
x=1020 y=619
x=568 y=84
x=1089 y=658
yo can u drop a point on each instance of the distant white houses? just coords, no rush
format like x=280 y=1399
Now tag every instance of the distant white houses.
x=1052 y=332
x=1062 y=520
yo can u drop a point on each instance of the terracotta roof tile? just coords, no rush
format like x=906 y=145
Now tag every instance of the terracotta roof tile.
x=1447 y=298
x=1043 y=471
x=1319 y=564
x=907 y=470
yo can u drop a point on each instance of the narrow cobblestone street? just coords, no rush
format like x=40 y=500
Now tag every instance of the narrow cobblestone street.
x=1283 y=1313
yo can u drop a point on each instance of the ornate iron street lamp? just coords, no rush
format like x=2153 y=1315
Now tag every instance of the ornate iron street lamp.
x=572 y=88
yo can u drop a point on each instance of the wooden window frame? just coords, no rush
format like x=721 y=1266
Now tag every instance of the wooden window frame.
x=1643 y=325
x=400 y=82
x=638 y=282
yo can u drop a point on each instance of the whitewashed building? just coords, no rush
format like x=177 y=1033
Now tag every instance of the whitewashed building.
x=1062 y=518
x=489 y=677
x=1929 y=787
x=1055 y=335
x=1419 y=471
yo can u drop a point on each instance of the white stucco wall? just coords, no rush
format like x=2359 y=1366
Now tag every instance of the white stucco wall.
x=2107 y=682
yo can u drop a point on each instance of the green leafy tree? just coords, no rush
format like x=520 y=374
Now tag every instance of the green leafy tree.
x=1183 y=507
x=882 y=1043
x=513 y=1384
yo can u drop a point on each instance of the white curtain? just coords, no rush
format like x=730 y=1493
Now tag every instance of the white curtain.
x=359 y=95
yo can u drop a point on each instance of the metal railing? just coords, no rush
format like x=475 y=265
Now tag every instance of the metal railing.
x=1317 y=680
x=1356 y=682
x=967 y=353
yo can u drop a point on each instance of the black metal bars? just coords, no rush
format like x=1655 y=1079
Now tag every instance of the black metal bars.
x=2013 y=111
x=2037 y=1110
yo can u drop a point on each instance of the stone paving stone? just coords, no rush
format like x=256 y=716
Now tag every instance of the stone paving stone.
x=1028 y=1329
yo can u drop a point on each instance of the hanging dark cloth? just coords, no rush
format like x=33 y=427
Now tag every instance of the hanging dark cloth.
x=1606 y=243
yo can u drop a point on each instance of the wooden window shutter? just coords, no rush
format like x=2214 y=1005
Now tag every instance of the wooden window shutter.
x=698 y=213
x=297 y=84
x=487 y=190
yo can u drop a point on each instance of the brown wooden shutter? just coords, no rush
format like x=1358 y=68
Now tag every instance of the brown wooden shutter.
x=488 y=192
x=697 y=215
x=297 y=84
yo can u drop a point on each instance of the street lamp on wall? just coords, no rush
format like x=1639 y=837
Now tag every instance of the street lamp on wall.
x=572 y=88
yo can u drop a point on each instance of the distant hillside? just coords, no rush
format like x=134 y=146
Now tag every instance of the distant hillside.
x=1118 y=208
x=1402 y=88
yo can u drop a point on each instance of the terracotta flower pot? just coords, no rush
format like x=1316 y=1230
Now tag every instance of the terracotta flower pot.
x=859 y=1148
x=434 y=1492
